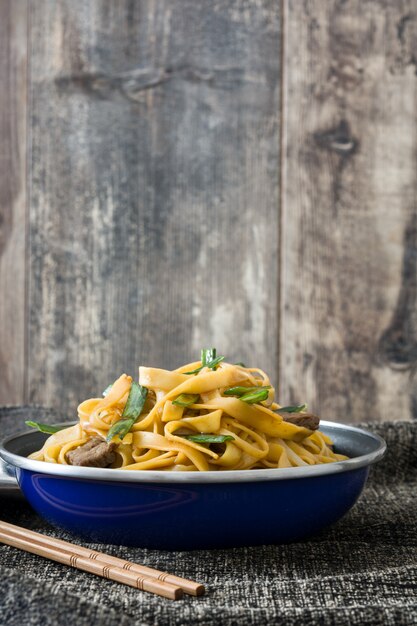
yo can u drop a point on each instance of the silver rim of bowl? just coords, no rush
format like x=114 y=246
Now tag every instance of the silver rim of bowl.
x=224 y=476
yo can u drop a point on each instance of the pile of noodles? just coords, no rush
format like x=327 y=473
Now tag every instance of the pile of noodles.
x=261 y=437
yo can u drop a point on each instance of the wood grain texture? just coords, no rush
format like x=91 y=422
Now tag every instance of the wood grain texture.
x=154 y=188
x=13 y=139
x=349 y=222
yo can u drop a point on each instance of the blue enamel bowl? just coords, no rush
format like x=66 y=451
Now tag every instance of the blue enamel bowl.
x=193 y=510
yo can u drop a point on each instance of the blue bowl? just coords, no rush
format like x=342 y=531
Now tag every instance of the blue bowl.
x=194 y=510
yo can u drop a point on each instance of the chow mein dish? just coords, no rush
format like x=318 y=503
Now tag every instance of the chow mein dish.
x=207 y=415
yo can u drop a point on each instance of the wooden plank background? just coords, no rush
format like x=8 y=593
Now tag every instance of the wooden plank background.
x=348 y=258
x=13 y=200
x=238 y=173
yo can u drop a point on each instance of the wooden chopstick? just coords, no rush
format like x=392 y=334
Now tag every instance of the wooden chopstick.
x=96 y=562
x=188 y=586
x=95 y=566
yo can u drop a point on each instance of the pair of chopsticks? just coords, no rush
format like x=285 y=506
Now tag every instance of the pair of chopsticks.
x=105 y=565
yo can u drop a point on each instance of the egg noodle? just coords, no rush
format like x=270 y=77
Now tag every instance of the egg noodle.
x=207 y=415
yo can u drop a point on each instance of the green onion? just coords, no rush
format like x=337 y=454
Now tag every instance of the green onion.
x=208 y=355
x=240 y=391
x=292 y=409
x=213 y=364
x=255 y=396
x=131 y=412
x=106 y=391
x=186 y=399
x=208 y=359
x=45 y=428
x=241 y=364
x=208 y=438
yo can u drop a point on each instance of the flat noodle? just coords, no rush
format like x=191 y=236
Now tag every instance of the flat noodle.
x=256 y=435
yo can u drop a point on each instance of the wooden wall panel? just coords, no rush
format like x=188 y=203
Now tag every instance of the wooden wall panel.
x=349 y=224
x=154 y=187
x=13 y=139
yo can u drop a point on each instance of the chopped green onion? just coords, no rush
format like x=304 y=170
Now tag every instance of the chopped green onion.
x=186 y=399
x=208 y=355
x=292 y=409
x=208 y=359
x=202 y=438
x=240 y=391
x=45 y=428
x=106 y=391
x=213 y=364
x=134 y=405
x=255 y=396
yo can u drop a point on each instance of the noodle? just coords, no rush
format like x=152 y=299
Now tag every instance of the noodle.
x=228 y=410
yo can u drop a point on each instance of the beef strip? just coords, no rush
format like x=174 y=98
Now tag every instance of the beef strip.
x=94 y=453
x=305 y=420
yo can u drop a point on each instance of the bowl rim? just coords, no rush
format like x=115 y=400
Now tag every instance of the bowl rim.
x=224 y=476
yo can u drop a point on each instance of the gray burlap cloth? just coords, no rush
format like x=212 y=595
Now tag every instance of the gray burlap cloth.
x=363 y=570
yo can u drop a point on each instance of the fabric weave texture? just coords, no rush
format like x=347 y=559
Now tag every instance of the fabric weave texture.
x=362 y=570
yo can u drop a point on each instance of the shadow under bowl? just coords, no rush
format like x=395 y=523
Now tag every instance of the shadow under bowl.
x=195 y=510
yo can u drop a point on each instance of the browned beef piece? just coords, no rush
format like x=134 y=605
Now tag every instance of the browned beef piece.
x=94 y=453
x=306 y=420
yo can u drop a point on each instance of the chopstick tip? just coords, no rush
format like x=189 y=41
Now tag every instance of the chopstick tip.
x=178 y=594
x=200 y=590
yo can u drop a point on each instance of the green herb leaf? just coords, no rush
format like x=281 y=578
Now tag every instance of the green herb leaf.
x=45 y=428
x=240 y=391
x=213 y=364
x=208 y=355
x=255 y=396
x=202 y=438
x=186 y=399
x=240 y=363
x=208 y=359
x=106 y=391
x=292 y=409
x=134 y=405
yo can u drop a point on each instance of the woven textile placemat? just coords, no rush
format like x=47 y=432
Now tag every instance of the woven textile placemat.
x=362 y=570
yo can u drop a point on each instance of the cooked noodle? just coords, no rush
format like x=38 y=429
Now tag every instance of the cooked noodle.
x=251 y=435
